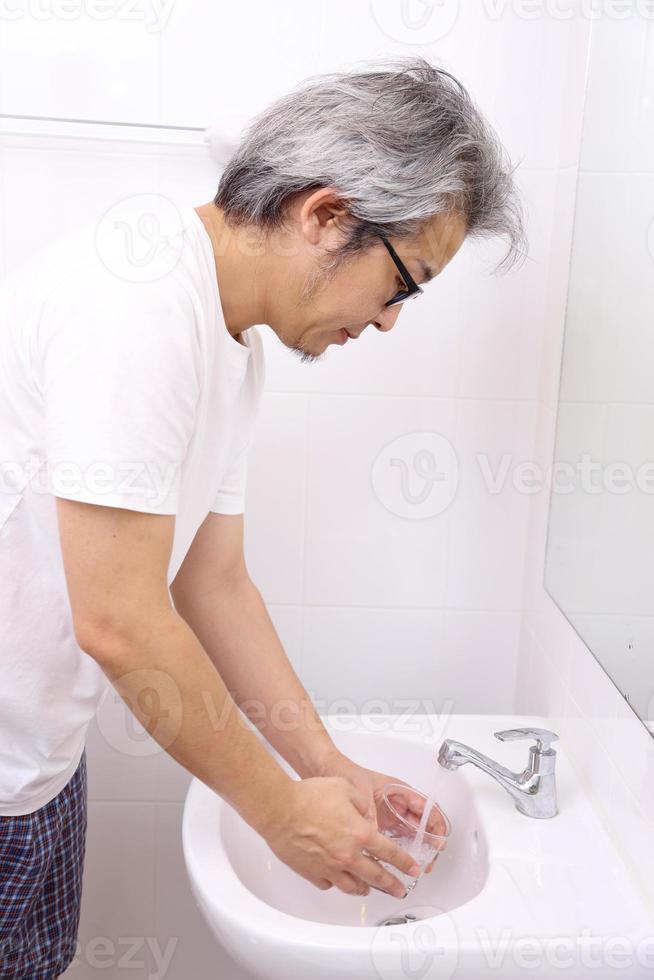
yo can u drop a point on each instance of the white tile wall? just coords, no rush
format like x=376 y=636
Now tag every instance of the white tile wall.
x=276 y=507
x=357 y=551
x=243 y=55
x=490 y=513
x=342 y=574
x=558 y=677
x=364 y=661
x=627 y=144
x=80 y=60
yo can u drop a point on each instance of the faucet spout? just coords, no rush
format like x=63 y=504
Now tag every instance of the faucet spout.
x=533 y=790
x=454 y=754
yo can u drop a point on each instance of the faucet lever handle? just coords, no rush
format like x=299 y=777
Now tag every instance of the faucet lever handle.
x=542 y=736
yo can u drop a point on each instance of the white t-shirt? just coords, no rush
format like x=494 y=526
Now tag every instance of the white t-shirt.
x=119 y=385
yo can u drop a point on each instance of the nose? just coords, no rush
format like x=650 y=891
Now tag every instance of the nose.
x=387 y=317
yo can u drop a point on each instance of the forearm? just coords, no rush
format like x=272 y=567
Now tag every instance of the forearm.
x=235 y=629
x=170 y=684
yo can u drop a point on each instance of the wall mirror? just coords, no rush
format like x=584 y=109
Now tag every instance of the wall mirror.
x=599 y=565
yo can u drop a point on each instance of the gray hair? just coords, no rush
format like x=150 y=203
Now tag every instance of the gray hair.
x=400 y=142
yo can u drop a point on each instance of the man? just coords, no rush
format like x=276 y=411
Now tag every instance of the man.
x=128 y=396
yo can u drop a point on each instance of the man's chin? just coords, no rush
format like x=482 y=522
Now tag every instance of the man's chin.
x=302 y=347
x=306 y=356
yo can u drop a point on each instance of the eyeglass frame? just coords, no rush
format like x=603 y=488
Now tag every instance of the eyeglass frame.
x=412 y=288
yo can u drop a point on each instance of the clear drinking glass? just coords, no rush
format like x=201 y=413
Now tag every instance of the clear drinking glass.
x=399 y=821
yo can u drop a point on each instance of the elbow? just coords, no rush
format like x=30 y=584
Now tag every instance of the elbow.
x=105 y=642
x=112 y=636
x=112 y=631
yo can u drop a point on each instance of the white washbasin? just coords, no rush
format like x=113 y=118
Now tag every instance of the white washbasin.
x=510 y=896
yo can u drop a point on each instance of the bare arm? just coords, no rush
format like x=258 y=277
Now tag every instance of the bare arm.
x=217 y=598
x=116 y=563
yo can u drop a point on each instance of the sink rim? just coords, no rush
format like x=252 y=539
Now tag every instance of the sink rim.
x=245 y=909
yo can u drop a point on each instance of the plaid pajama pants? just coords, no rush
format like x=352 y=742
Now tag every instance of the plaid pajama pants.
x=41 y=865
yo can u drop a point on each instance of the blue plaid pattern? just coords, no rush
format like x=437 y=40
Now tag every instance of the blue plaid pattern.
x=41 y=865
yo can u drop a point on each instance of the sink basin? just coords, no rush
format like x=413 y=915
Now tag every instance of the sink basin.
x=510 y=895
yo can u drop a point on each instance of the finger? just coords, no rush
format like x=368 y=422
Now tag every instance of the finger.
x=430 y=866
x=321 y=883
x=436 y=822
x=384 y=849
x=435 y=826
x=408 y=805
x=373 y=873
x=350 y=884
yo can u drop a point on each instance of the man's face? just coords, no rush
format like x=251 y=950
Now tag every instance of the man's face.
x=339 y=307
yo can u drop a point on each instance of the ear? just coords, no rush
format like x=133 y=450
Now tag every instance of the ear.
x=324 y=212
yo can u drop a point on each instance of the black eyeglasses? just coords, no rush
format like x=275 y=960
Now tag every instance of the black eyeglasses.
x=412 y=287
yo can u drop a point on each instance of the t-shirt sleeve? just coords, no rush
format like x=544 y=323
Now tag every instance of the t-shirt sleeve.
x=119 y=367
x=230 y=498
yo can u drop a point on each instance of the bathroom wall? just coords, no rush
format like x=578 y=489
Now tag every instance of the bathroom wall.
x=558 y=676
x=370 y=600
x=355 y=581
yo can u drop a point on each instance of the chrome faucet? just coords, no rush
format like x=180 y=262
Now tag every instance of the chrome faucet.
x=534 y=789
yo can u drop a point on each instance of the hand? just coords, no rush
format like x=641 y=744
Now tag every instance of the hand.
x=320 y=831
x=371 y=783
